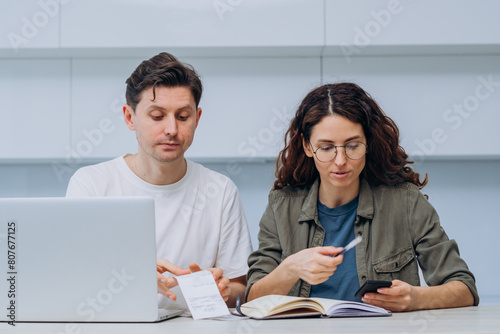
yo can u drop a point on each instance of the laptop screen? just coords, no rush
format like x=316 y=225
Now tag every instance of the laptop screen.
x=78 y=259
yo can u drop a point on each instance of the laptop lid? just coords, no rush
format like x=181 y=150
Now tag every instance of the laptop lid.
x=78 y=259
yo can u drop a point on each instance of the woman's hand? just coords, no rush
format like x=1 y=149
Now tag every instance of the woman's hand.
x=399 y=297
x=313 y=265
x=402 y=296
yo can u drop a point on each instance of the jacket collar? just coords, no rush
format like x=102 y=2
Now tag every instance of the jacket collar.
x=310 y=206
x=365 y=204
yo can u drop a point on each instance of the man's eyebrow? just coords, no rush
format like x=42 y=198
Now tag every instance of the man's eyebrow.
x=155 y=107
x=160 y=108
x=186 y=107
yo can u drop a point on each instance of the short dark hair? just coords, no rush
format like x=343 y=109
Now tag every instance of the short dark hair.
x=162 y=70
x=386 y=161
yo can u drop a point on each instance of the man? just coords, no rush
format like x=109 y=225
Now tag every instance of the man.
x=199 y=217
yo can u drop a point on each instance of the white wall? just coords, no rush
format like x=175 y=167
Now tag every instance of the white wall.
x=432 y=65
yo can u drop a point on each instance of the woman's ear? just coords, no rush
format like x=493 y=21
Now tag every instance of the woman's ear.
x=306 y=146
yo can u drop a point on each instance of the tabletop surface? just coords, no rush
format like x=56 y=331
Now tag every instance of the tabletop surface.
x=481 y=319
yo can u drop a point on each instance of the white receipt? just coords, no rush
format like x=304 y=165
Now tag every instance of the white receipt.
x=202 y=295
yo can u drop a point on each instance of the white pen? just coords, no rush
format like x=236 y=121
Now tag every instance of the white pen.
x=350 y=245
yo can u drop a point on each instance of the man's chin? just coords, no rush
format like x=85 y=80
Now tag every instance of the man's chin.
x=167 y=158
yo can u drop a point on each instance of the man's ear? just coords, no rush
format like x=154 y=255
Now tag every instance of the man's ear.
x=306 y=146
x=128 y=114
x=198 y=115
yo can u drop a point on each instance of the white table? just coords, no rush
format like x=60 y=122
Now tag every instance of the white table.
x=481 y=319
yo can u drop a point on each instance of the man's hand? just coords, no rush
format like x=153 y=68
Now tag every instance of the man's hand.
x=221 y=281
x=166 y=283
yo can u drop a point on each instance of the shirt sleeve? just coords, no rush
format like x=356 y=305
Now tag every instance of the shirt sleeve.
x=265 y=259
x=438 y=256
x=234 y=243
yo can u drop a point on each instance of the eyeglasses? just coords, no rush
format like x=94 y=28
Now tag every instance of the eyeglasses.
x=354 y=151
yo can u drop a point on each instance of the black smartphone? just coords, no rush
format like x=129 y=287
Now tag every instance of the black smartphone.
x=371 y=286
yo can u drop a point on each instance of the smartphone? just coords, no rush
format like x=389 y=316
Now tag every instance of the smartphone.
x=371 y=286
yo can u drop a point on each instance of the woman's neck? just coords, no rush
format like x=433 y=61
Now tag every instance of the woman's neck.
x=333 y=197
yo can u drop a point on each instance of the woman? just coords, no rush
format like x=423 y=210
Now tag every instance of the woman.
x=342 y=174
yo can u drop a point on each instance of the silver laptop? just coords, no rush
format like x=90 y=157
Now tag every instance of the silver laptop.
x=78 y=260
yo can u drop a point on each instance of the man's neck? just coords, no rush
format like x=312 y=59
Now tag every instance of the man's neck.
x=155 y=172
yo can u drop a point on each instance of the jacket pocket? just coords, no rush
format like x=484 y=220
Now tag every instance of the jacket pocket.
x=395 y=266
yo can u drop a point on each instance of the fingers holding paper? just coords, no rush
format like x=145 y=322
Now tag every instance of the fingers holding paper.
x=221 y=281
x=166 y=283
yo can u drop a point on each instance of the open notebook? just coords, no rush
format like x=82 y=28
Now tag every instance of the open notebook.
x=279 y=307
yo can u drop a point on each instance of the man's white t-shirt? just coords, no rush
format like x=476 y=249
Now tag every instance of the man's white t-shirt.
x=199 y=219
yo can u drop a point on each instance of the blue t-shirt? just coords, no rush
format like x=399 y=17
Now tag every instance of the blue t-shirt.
x=339 y=231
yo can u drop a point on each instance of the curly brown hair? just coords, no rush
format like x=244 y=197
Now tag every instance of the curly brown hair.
x=386 y=160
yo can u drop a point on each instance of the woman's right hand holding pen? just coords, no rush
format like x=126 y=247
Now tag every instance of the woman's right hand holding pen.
x=313 y=265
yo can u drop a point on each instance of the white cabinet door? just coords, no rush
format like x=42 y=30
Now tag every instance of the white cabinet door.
x=424 y=26
x=35 y=109
x=98 y=94
x=445 y=106
x=29 y=24
x=192 y=23
x=248 y=103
